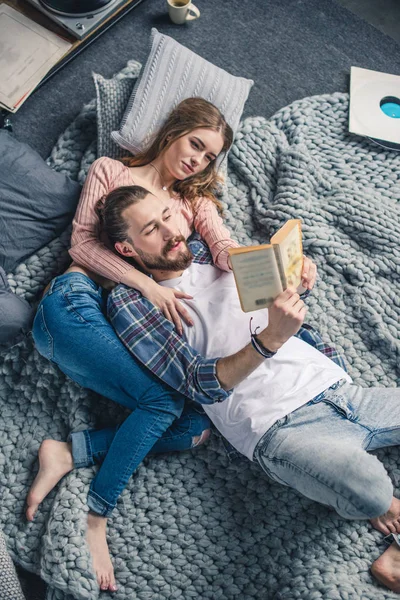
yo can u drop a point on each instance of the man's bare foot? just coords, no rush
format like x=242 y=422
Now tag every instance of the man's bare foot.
x=390 y=521
x=55 y=461
x=96 y=538
x=386 y=568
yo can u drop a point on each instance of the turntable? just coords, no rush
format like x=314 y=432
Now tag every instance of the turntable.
x=82 y=17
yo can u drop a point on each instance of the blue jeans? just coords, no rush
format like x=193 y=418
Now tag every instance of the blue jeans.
x=71 y=330
x=321 y=449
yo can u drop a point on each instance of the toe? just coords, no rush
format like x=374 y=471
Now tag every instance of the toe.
x=30 y=512
x=99 y=580
x=112 y=585
x=391 y=527
x=396 y=526
x=104 y=582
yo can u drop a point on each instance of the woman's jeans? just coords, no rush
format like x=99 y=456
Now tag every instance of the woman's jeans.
x=321 y=449
x=71 y=330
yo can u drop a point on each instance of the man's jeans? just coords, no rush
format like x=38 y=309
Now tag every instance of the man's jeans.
x=321 y=449
x=71 y=330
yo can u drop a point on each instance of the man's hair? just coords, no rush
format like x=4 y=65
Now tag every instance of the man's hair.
x=114 y=224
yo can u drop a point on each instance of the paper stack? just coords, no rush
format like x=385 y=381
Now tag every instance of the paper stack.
x=27 y=52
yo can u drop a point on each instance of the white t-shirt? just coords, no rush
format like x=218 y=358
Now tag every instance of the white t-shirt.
x=281 y=384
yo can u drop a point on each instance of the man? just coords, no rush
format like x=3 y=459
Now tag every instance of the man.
x=283 y=403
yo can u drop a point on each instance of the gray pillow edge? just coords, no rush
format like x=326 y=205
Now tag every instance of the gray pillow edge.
x=131 y=71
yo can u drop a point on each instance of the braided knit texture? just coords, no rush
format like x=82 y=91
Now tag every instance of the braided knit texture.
x=10 y=586
x=192 y=525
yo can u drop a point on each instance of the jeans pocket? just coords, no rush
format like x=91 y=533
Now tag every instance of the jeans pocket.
x=340 y=404
x=86 y=304
x=41 y=335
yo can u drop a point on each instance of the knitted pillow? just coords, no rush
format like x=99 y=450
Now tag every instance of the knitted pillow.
x=171 y=74
x=112 y=96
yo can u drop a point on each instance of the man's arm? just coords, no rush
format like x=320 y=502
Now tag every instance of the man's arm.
x=286 y=316
x=152 y=340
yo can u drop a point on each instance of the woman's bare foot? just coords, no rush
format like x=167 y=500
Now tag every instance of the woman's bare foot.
x=390 y=521
x=96 y=538
x=386 y=568
x=55 y=461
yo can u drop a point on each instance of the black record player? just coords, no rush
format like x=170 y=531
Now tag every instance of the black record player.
x=79 y=17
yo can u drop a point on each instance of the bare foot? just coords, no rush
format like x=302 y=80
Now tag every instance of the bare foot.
x=96 y=538
x=390 y=521
x=386 y=568
x=55 y=461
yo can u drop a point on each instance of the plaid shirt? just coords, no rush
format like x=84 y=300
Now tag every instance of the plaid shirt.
x=152 y=339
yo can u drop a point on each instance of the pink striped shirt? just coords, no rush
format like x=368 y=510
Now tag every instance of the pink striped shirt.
x=89 y=247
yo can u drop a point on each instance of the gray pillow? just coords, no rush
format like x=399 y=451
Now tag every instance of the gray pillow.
x=16 y=315
x=36 y=203
x=171 y=74
x=112 y=96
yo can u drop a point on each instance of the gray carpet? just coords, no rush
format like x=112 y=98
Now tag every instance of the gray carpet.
x=291 y=48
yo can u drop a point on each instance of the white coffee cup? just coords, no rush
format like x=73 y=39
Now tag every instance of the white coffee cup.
x=181 y=11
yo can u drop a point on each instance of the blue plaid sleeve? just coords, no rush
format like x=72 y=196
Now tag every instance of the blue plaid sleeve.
x=152 y=339
x=311 y=336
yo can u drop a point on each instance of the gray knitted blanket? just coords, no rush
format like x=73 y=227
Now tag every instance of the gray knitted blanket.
x=193 y=525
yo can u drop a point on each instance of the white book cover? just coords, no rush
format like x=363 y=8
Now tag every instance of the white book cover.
x=27 y=52
x=257 y=278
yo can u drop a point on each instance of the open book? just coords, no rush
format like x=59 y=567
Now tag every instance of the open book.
x=262 y=272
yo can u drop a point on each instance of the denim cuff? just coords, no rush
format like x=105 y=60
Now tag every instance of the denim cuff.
x=83 y=457
x=81 y=450
x=393 y=537
x=98 y=505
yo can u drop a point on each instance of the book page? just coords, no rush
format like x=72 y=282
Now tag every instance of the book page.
x=27 y=52
x=290 y=251
x=257 y=278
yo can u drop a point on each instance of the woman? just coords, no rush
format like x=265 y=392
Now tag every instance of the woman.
x=71 y=329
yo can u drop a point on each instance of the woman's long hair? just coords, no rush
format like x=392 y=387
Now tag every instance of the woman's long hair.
x=190 y=114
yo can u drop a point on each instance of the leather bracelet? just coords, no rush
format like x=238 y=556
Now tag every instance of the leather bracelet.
x=257 y=345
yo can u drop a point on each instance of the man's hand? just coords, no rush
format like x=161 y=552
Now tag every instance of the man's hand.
x=286 y=316
x=308 y=274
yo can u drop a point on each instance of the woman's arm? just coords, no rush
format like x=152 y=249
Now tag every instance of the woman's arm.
x=87 y=249
x=210 y=226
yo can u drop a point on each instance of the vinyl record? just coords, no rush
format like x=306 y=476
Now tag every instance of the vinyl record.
x=373 y=98
x=384 y=144
x=74 y=7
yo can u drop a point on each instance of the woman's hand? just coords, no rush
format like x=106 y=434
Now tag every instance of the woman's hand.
x=309 y=273
x=166 y=299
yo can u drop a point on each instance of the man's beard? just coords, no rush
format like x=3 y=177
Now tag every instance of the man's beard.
x=162 y=263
